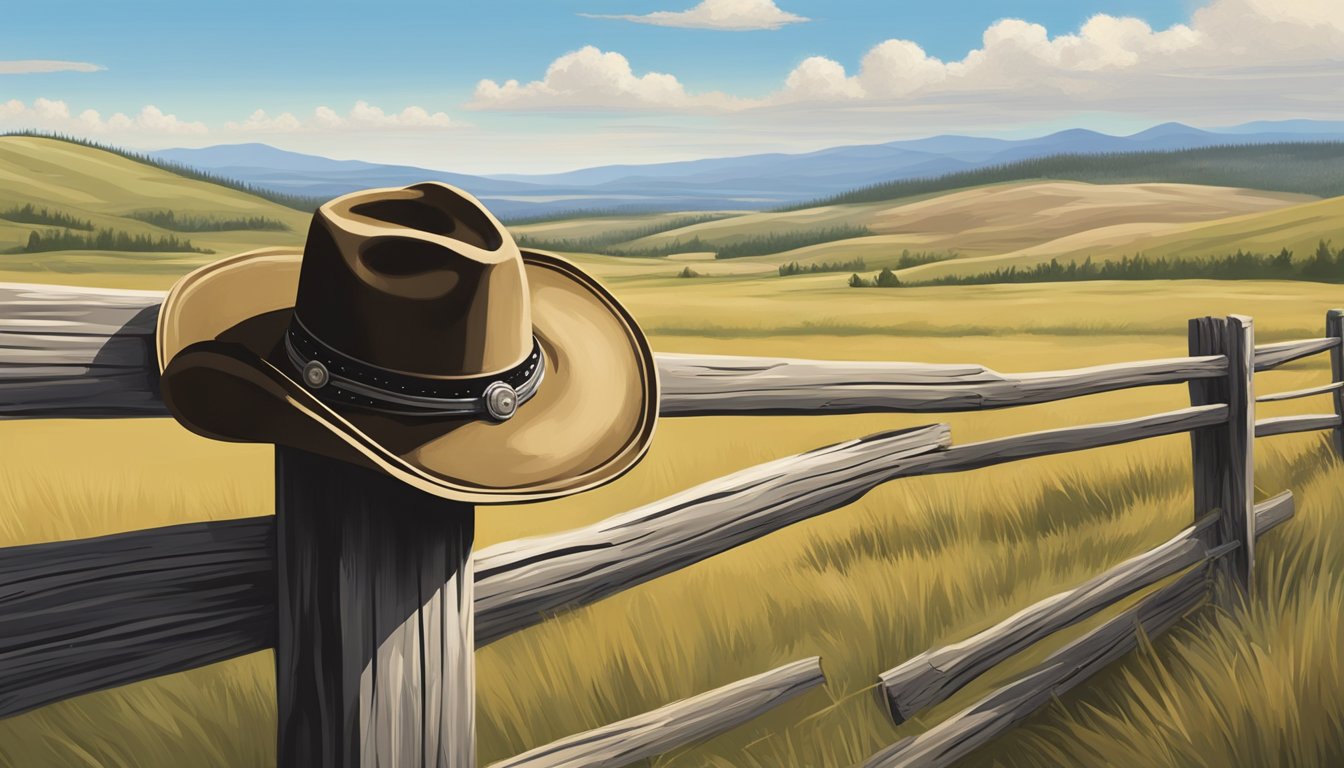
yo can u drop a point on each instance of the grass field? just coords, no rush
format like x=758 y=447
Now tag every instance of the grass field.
x=914 y=563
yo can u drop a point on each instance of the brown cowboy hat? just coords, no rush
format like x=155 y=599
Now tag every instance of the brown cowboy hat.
x=411 y=335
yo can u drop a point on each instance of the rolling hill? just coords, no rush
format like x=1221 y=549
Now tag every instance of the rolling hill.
x=1298 y=228
x=984 y=227
x=983 y=222
x=108 y=192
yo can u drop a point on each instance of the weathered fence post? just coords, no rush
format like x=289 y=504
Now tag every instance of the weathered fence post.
x=1222 y=456
x=374 y=663
x=1334 y=328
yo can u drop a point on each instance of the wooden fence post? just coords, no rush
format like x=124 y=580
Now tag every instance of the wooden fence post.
x=1223 y=456
x=1334 y=328
x=374 y=651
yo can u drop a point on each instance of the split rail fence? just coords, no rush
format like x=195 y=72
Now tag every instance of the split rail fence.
x=357 y=575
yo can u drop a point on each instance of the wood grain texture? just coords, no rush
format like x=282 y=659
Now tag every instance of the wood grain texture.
x=1298 y=393
x=680 y=723
x=1271 y=356
x=520 y=582
x=703 y=385
x=933 y=676
x=1283 y=425
x=960 y=458
x=1236 y=524
x=80 y=616
x=374 y=652
x=78 y=352
x=975 y=726
x=1334 y=329
x=1222 y=456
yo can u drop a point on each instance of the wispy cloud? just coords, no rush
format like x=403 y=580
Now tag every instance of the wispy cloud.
x=727 y=15
x=36 y=66
x=362 y=116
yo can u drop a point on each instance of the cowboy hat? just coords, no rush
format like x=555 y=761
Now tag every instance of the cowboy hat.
x=411 y=335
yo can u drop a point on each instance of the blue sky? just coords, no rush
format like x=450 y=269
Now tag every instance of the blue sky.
x=628 y=90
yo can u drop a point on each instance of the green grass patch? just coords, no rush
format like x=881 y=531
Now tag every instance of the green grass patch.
x=305 y=203
x=604 y=242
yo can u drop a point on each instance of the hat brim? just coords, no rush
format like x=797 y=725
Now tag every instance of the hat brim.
x=224 y=375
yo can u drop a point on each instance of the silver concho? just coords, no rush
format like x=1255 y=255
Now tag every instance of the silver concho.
x=315 y=374
x=501 y=401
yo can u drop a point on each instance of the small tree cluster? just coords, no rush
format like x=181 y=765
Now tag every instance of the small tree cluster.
x=884 y=279
x=170 y=220
x=28 y=214
x=795 y=268
x=106 y=240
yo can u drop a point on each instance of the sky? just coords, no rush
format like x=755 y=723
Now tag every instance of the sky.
x=529 y=86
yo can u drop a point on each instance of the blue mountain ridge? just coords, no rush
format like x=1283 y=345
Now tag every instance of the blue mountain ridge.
x=743 y=182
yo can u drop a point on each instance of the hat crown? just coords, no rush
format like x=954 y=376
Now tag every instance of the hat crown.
x=422 y=280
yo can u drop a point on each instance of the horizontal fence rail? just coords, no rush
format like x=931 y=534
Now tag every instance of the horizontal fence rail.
x=519 y=583
x=79 y=616
x=1295 y=394
x=720 y=385
x=90 y=352
x=1283 y=425
x=936 y=674
x=680 y=723
x=975 y=726
x=1271 y=356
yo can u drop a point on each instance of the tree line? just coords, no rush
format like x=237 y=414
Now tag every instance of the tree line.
x=795 y=268
x=106 y=240
x=1325 y=264
x=187 y=223
x=29 y=214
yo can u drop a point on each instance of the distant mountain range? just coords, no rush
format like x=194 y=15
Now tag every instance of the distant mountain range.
x=747 y=182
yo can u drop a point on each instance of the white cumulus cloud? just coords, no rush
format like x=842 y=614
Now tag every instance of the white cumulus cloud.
x=1233 y=60
x=37 y=66
x=593 y=79
x=1247 y=54
x=54 y=115
x=729 y=15
x=362 y=116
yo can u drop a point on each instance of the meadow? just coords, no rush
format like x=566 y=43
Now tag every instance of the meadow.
x=914 y=563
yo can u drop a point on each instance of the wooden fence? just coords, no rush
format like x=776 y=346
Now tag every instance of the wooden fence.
x=80 y=616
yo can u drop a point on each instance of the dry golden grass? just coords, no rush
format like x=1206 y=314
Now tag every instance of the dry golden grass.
x=914 y=563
